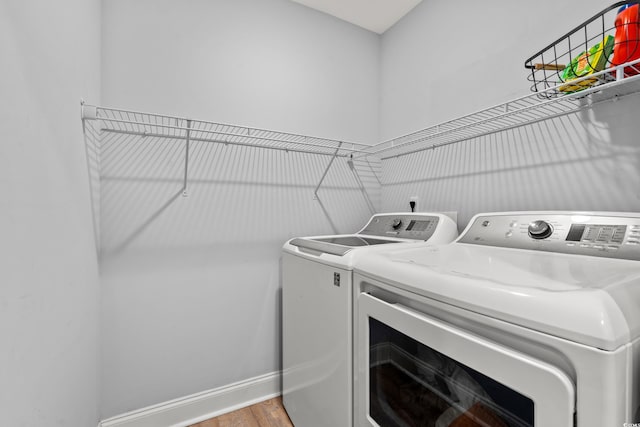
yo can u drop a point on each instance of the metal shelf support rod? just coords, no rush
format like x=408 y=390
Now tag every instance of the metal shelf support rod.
x=324 y=175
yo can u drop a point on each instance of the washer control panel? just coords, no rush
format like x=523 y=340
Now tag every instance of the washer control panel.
x=404 y=226
x=598 y=234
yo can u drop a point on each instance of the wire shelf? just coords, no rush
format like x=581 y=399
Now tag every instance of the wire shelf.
x=107 y=121
x=608 y=39
x=161 y=126
x=529 y=109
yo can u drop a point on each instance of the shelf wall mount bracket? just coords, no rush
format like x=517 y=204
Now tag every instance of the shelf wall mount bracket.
x=185 y=181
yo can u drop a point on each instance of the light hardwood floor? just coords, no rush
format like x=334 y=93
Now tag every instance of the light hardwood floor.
x=269 y=413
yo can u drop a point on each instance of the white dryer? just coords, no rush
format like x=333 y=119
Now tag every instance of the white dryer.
x=317 y=344
x=529 y=319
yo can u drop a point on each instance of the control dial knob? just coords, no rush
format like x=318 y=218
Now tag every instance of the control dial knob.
x=396 y=223
x=540 y=229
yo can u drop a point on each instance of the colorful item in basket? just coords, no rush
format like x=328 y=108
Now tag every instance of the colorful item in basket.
x=627 y=46
x=587 y=63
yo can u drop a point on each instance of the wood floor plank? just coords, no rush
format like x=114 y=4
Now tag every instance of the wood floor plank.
x=208 y=423
x=270 y=413
x=240 y=418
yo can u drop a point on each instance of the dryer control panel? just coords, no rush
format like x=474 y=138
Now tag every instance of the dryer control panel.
x=610 y=235
x=403 y=225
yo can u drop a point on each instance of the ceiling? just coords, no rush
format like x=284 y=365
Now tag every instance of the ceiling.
x=373 y=15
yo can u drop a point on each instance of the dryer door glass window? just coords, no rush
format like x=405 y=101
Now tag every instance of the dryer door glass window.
x=411 y=384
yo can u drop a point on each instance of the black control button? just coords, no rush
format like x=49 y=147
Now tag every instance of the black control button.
x=396 y=223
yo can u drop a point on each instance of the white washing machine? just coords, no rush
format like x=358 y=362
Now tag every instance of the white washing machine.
x=317 y=344
x=527 y=319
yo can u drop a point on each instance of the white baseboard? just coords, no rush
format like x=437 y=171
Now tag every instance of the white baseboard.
x=198 y=407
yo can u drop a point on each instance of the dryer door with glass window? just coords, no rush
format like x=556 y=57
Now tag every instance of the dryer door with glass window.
x=415 y=370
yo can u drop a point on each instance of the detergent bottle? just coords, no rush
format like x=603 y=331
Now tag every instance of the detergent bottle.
x=627 y=38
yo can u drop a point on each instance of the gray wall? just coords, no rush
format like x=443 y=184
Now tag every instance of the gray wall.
x=190 y=286
x=439 y=63
x=271 y=64
x=49 y=53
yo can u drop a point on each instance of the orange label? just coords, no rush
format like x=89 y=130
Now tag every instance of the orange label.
x=583 y=63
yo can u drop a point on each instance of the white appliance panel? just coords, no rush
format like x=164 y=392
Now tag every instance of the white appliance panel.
x=316 y=377
x=558 y=289
x=317 y=313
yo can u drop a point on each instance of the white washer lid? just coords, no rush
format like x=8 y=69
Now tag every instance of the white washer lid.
x=328 y=250
x=589 y=300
